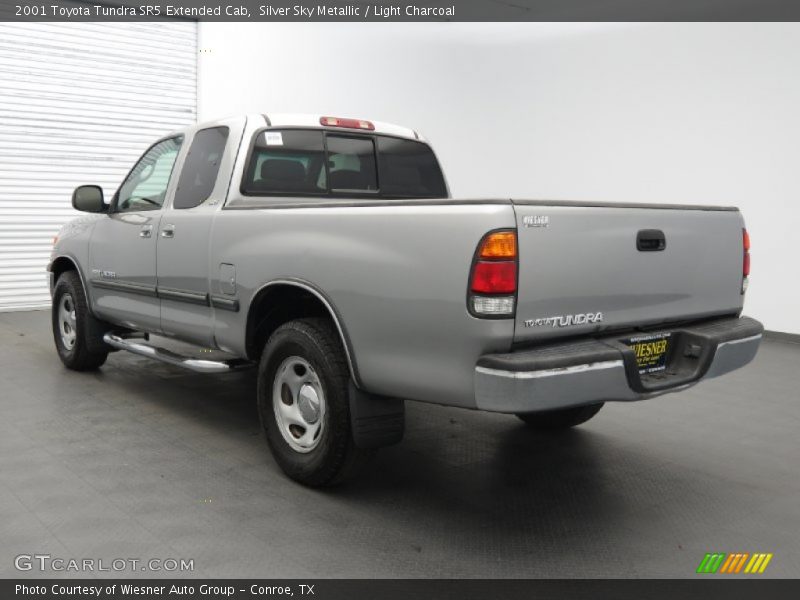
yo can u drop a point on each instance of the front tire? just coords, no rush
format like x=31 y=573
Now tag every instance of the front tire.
x=77 y=334
x=553 y=420
x=303 y=404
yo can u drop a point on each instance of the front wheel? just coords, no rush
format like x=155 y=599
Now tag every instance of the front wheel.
x=303 y=404
x=560 y=419
x=77 y=334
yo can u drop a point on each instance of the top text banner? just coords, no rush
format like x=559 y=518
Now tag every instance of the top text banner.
x=398 y=11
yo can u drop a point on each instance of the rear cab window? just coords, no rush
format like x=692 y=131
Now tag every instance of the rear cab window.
x=287 y=162
x=319 y=163
x=351 y=164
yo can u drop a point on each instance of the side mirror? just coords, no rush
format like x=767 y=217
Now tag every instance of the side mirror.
x=89 y=198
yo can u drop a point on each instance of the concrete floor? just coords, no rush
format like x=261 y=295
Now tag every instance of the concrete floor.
x=145 y=461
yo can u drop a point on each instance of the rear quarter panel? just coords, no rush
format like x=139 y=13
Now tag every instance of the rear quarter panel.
x=396 y=274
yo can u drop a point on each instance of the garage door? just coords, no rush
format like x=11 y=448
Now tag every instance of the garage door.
x=79 y=102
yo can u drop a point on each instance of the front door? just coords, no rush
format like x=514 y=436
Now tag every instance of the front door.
x=122 y=250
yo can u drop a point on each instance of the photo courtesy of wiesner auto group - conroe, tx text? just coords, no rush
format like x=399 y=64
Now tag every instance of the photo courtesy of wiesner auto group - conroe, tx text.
x=335 y=304
x=178 y=590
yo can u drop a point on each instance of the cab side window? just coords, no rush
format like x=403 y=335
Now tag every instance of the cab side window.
x=145 y=187
x=201 y=167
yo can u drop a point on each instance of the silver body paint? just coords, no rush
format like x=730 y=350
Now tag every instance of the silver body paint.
x=394 y=274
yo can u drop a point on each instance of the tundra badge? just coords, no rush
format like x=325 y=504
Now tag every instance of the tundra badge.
x=565 y=320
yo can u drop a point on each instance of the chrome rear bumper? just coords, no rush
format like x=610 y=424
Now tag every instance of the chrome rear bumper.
x=604 y=370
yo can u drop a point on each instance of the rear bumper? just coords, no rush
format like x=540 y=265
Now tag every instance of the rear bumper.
x=604 y=369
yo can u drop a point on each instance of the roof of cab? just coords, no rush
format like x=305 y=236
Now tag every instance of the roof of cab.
x=310 y=120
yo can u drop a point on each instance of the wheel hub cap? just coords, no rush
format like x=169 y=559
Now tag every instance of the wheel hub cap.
x=308 y=403
x=299 y=404
x=67 y=321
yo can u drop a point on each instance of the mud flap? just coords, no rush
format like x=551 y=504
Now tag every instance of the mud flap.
x=376 y=421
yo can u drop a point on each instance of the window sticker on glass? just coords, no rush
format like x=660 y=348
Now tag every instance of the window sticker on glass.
x=274 y=138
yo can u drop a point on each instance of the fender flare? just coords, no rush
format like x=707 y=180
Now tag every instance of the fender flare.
x=76 y=267
x=330 y=307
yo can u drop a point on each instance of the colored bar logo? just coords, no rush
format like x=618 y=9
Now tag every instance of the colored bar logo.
x=735 y=562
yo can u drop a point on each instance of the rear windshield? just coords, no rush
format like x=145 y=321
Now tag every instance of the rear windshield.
x=409 y=169
x=297 y=162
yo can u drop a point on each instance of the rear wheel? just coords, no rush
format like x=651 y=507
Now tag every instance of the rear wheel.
x=77 y=334
x=560 y=419
x=303 y=404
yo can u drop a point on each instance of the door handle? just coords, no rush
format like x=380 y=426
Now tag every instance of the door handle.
x=650 y=240
x=168 y=231
x=146 y=231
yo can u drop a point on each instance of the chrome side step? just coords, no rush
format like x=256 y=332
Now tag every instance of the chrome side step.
x=167 y=356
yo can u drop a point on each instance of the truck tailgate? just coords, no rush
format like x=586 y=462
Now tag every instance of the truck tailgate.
x=582 y=270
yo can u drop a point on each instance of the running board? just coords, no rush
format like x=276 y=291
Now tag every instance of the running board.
x=198 y=365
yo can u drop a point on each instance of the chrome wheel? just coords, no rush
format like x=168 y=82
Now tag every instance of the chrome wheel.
x=299 y=404
x=67 y=321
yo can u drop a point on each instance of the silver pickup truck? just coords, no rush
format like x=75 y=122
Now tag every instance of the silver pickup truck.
x=327 y=253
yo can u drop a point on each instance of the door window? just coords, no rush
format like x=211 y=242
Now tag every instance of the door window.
x=201 y=167
x=145 y=187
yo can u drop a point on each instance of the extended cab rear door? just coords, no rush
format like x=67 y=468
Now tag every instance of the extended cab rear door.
x=183 y=273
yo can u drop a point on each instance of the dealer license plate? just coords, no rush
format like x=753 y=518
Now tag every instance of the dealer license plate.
x=650 y=351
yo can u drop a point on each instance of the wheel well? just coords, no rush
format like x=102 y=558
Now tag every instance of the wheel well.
x=61 y=265
x=278 y=304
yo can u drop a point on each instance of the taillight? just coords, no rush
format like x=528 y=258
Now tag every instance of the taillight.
x=500 y=244
x=493 y=278
x=745 y=259
x=348 y=123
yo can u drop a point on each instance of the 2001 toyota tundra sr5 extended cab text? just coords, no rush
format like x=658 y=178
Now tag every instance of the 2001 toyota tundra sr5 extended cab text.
x=329 y=253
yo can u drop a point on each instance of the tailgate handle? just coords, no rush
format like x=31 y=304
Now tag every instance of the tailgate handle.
x=650 y=240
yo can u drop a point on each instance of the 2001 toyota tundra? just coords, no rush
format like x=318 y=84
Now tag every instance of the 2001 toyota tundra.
x=328 y=252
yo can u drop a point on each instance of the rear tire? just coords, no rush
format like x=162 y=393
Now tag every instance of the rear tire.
x=304 y=404
x=564 y=418
x=77 y=334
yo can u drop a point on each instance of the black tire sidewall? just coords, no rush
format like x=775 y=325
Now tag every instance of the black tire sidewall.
x=89 y=351
x=321 y=464
x=65 y=285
